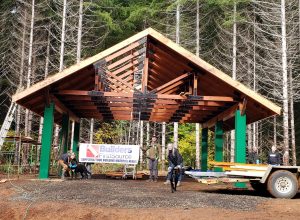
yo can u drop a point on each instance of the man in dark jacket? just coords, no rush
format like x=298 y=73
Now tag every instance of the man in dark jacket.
x=274 y=157
x=174 y=160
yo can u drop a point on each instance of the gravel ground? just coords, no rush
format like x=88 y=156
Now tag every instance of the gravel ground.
x=135 y=194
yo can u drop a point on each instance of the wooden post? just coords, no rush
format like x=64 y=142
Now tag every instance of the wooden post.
x=204 y=149
x=240 y=141
x=65 y=132
x=197 y=145
x=219 y=144
x=46 y=141
x=76 y=138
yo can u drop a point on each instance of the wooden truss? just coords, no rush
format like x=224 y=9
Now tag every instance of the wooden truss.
x=146 y=77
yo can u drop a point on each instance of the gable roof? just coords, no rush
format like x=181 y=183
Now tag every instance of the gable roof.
x=165 y=71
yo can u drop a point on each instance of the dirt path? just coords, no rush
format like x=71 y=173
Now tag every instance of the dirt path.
x=117 y=199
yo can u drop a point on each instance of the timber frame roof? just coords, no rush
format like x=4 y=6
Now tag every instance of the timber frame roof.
x=146 y=77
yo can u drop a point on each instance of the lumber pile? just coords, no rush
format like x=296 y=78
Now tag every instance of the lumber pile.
x=241 y=169
x=116 y=174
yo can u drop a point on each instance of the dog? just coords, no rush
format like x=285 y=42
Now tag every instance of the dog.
x=78 y=168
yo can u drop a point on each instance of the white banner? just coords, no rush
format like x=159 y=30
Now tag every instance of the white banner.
x=109 y=153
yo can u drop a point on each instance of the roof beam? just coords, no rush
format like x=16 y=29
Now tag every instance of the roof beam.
x=127 y=58
x=126 y=49
x=170 y=83
x=223 y=116
x=61 y=108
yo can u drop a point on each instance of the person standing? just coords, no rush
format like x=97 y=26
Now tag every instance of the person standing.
x=153 y=159
x=274 y=157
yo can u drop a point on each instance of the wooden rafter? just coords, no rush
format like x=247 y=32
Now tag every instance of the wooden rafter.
x=125 y=50
x=61 y=108
x=223 y=116
x=170 y=83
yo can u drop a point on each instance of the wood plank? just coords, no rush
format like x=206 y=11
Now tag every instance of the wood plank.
x=195 y=84
x=170 y=83
x=116 y=85
x=173 y=58
x=125 y=59
x=72 y=92
x=168 y=73
x=125 y=67
x=122 y=51
x=172 y=88
x=119 y=79
x=225 y=115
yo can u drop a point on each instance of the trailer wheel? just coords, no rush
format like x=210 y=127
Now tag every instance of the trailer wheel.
x=282 y=184
x=259 y=187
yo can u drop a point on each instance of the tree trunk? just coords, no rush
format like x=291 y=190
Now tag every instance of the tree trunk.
x=141 y=143
x=285 y=84
x=249 y=132
x=178 y=42
x=148 y=138
x=163 y=146
x=232 y=145
x=197 y=54
x=61 y=59
x=19 y=108
x=28 y=116
x=275 y=131
x=292 y=121
x=197 y=30
x=45 y=75
x=197 y=145
x=91 y=131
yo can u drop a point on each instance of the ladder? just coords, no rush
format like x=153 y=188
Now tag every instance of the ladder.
x=7 y=122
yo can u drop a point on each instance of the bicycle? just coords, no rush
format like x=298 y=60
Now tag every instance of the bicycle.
x=174 y=178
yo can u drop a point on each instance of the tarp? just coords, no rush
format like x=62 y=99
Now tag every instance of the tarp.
x=109 y=153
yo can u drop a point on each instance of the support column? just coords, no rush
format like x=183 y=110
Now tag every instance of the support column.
x=240 y=141
x=46 y=141
x=204 y=149
x=219 y=144
x=65 y=132
x=76 y=138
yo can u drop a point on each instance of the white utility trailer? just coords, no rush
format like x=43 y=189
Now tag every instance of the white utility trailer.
x=279 y=181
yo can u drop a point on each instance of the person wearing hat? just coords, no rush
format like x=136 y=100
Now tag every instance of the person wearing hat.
x=153 y=155
x=64 y=161
x=174 y=160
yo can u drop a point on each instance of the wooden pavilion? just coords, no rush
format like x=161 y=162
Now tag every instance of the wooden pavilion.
x=146 y=77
